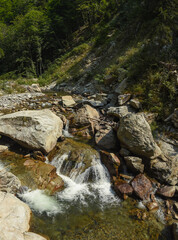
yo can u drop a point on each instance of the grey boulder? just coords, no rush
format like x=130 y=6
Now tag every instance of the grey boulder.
x=35 y=129
x=135 y=133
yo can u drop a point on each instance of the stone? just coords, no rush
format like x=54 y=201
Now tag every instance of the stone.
x=39 y=156
x=68 y=101
x=43 y=176
x=9 y=183
x=175 y=118
x=14 y=219
x=3 y=148
x=152 y=206
x=122 y=86
x=118 y=112
x=34 y=88
x=176 y=206
x=175 y=230
x=135 y=103
x=32 y=236
x=123 y=189
x=124 y=152
x=142 y=187
x=105 y=138
x=134 y=164
x=86 y=116
x=38 y=129
x=123 y=98
x=166 y=191
x=111 y=161
x=135 y=133
x=165 y=167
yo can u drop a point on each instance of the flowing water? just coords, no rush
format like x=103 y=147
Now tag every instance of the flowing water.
x=87 y=208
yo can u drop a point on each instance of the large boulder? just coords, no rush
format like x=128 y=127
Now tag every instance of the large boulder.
x=38 y=129
x=86 y=115
x=14 y=219
x=9 y=183
x=135 y=133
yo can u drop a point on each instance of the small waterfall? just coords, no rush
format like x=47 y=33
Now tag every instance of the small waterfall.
x=79 y=190
x=78 y=185
x=66 y=130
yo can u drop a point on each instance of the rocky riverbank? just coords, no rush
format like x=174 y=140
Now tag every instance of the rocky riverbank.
x=139 y=165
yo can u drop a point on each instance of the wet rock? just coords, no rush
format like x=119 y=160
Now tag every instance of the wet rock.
x=15 y=218
x=166 y=191
x=38 y=129
x=86 y=115
x=134 y=164
x=175 y=118
x=135 y=103
x=105 y=138
x=3 y=148
x=74 y=157
x=152 y=206
x=39 y=156
x=175 y=230
x=135 y=133
x=9 y=183
x=43 y=176
x=142 y=187
x=123 y=189
x=111 y=161
x=123 y=99
x=68 y=101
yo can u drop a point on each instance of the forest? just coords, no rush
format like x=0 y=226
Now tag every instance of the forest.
x=34 y=33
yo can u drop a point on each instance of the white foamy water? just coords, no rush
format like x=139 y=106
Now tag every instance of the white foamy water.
x=77 y=185
x=79 y=191
x=41 y=202
x=66 y=130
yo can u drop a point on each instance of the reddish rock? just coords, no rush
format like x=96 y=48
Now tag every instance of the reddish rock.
x=123 y=188
x=142 y=187
x=42 y=175
x=166 y=191
x=111 y=161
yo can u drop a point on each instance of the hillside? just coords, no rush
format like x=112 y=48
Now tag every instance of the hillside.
x=103 y=42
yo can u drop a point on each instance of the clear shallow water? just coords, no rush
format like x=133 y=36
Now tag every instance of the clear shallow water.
x=87 y=208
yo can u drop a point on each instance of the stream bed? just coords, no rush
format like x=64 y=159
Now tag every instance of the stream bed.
x=87 y=208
